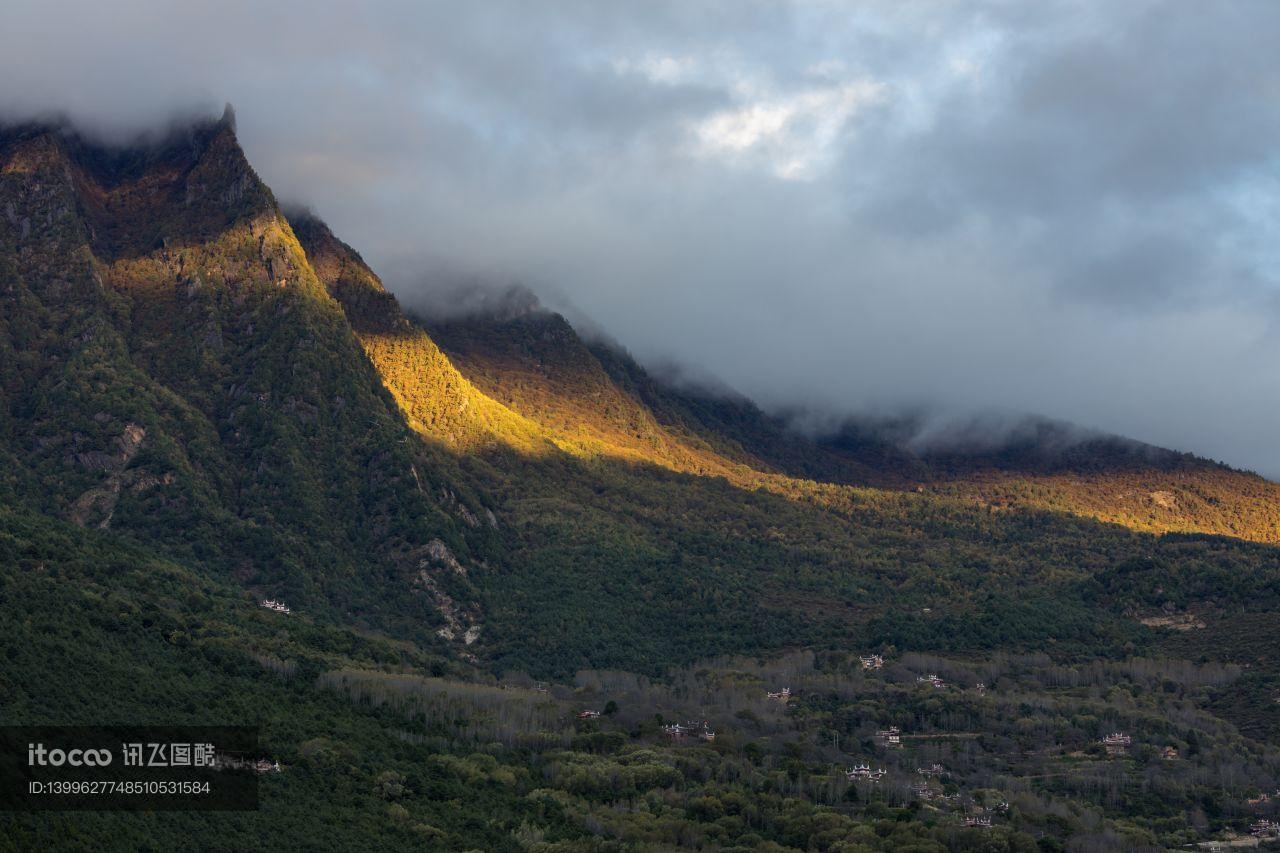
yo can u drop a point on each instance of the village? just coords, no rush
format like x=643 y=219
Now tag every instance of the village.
x=881 y=768
x=927 y=789
x=855 y=737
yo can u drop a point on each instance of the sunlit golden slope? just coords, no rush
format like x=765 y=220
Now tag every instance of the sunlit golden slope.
x=436 y=399
x=523 y=378
x=594 y=398
x=1205 y=499
x=559 y=397
x=1034 y=462
x=535 y=363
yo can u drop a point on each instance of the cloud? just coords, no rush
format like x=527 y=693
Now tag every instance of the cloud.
x=795 y=134
x=1068 y=207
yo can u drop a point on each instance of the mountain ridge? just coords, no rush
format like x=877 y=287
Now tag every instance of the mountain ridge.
x=161 y=293
x=1034 y=462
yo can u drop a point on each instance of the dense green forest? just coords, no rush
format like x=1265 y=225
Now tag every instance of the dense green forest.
x=382 y=744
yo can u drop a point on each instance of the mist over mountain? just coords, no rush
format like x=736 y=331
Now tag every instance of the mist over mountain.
x=1049 y=209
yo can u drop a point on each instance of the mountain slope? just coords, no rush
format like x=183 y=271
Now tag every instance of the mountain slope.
x=1038 y=463
x=536 y=364
x=435 y=398
x=594 y=398
x=740 y=430
x=180 y=374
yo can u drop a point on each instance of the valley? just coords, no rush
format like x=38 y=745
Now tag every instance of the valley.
x=478 y=528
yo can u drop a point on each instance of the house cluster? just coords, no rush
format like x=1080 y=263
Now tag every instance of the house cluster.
x=277 y=606
x=872 y=662
x=1169 y=753
x=931 y=678
x=932 y=771
x=923 y=791
x=588 y=714
x=1117 y=743
x=980 y=821
x=783 y=695
x=891 y=737
x=694 y=729
x=863 y=772
x=1264 y=829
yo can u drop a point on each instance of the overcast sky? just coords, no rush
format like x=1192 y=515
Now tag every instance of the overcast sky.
x=1070 y=208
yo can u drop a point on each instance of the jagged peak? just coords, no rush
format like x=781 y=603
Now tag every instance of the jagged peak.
x=228 y=119
x=111 y=158
x=187 y=183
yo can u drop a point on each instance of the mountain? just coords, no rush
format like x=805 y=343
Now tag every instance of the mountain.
x=486 y=523
x=434 y=397
x=1034 y=462
x=594 y=398
x=175 y=371
x=193 y=369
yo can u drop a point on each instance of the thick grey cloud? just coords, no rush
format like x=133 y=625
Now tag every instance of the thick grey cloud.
x=1062 y=207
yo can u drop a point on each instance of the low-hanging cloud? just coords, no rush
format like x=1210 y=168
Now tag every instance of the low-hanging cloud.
x=1062 y=207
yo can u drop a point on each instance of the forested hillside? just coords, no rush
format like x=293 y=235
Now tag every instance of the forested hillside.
x=175 y=371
